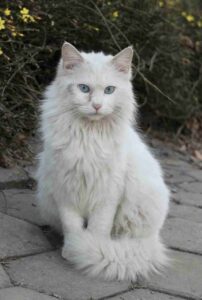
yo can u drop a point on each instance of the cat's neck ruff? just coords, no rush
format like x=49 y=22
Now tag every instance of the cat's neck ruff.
x=106 y=126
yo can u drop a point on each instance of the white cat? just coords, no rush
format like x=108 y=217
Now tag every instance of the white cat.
x=97 y=180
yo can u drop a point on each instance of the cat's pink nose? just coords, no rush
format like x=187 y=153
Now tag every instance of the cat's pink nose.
x=97 y=106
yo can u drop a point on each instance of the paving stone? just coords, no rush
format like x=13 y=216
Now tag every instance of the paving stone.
x=176 y=176
x=143 y=294
x=4 y=280
x=193 y=187
x=19 y=293
x=183 y=277
x=21 y=204
x=186 y=212
x=188 y=198
x=183 y=234
x=31 y=170
x=197 y=174
x=20 y=238
x=175 y=163
x=11 y=177
x=49 y=273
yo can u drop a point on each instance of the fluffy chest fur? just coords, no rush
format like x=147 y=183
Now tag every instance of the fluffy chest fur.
x=91 y=166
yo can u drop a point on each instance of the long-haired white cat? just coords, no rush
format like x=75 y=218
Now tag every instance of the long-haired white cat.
x=97 y=181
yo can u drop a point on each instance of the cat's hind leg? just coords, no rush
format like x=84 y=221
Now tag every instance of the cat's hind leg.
x=48 y=210
x=143 y=209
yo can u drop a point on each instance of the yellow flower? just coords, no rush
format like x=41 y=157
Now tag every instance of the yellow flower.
x=27 y=18
x=190 y=18
x=1 y=51
x=2 y=24
x=7 y=12
x=31 y=18
x=24 y=11
x=115 y=14
x=14 y=34
x=199 y=23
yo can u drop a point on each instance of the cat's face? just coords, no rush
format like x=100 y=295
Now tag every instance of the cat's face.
x=96 y=85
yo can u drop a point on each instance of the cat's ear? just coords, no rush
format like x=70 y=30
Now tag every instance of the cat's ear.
x=70 y=56
x=123 y=60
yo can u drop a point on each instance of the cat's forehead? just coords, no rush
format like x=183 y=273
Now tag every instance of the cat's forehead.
x=96 y=69
x=96 y=59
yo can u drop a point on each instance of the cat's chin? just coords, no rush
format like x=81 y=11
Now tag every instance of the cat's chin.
x=94 y=117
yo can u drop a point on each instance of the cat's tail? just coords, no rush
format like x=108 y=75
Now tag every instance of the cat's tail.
x=122 y=259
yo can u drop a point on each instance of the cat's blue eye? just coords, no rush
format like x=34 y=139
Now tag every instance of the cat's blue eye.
x=84 y=88
x=109 y=89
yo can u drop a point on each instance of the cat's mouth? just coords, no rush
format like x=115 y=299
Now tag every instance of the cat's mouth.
x=94 y=116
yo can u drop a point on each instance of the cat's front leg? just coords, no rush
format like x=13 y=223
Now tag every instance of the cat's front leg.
x=72 y=223
x=101 y=219
x=71 y=220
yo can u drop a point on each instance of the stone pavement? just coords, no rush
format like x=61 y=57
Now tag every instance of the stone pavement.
x=31 y=266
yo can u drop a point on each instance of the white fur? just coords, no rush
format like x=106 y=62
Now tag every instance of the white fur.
x=95 y=168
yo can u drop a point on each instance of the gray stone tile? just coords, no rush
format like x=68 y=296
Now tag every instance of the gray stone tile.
x=197 y=174
x=192 y=187
x=20 y=203
x=171 y=162
x=143 y=294
x=19 y=293
x=10 y=177
x=4 y=280
x=183 y=277
x=188 y=198
x=176 y=176
x=20 y=238
x=190 y=213
x=31 y=170
x=183 y=234
x=49 y=273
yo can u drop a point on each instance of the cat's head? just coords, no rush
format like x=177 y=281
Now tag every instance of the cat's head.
x=96 y=85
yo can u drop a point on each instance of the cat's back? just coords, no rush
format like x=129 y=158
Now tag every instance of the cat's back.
x=141 y=155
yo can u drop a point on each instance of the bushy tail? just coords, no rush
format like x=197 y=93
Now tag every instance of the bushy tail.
x=122 y=259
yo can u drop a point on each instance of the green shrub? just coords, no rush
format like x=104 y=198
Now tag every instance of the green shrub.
x=166 y=36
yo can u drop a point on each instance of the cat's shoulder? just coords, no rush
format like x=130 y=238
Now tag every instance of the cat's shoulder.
x=138 y=144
